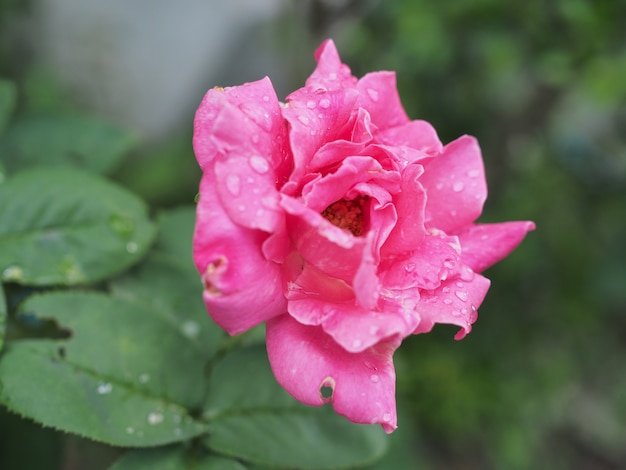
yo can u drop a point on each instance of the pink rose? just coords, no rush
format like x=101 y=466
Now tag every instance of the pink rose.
x=342 y=224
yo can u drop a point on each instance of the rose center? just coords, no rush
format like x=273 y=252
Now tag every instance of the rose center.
x=347 y=215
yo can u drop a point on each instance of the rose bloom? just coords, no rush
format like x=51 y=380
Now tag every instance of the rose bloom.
x=343 y=225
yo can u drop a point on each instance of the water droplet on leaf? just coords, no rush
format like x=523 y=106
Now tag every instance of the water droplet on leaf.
x=155 y=418
x=105 y=388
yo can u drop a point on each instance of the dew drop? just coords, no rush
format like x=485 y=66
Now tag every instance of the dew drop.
x=456 y=313
x=233 y=184
x=356 y=343
x=447 y=301
x=332 y=76
x=373 y=330
x=130 y=430
x=386 y=417
x=464 y=311
x=241 y=208
x=410 y=267
x=374 y=378
x=458 y=187
x=132 y=247
x=325 y=103
x=190 y=329
x=12 y=273
x=461 y=295
x=266 y=98
x=303 y=119
x=459 y=284
x=446 y=290
x=373 y=94
x=155 y=418
x=473 y=173
x=105 y=388
x=259 y=164
x=467 y=274
x=144 y=378
x=311 y=104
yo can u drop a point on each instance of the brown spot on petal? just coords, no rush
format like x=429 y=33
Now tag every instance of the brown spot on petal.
x=213 y=270
x=348 y=215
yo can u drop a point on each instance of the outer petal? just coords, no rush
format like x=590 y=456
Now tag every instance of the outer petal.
x=305 y=360
x=242 y=288
x=419 y=135
x=455 y=185
x=246 y=185
x=244 y=119
x=486 y=244
x=330 y=72
x=455 y=302
x=435 y=260
x=379 y=95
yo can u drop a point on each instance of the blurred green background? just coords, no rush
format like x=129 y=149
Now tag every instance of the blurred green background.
x=541 y=380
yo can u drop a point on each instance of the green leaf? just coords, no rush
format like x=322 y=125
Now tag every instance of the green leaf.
x=167 y=282
x=3 y=316
x=65 y=226
x=125 y=377
x=163 y=285
x=8 y=96
x=176 y=235
x=173 y=458
x=54 y=139
x=254 y=419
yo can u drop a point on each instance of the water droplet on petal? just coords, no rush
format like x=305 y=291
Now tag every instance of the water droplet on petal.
x=373 y=329
x=386 y=417
x=332 y=76
x=458 y=187
x=374 y=378
x=446 y=290
x=461 y=295
x=325 y=103
x=233 y=184
x=410 y=267
x=303 y=119
x=356 y=343
x=266 y=98
x=373 y=94
x=447 y=301
x=459 y=284
x=473 y=173
x=456 y=313
x=311 y=104
x=259 y=164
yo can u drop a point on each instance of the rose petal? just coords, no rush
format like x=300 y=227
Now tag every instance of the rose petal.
x=485 y=244
x=332 y=250
x=419 y=135
x=305 y=360
x=455 y=185
x=455 y=302
x=243 y=119
x=246 y=186
x=242 y=288
x=410 y=203
x=434 y=261
x=330 y=72
x=378 y=94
